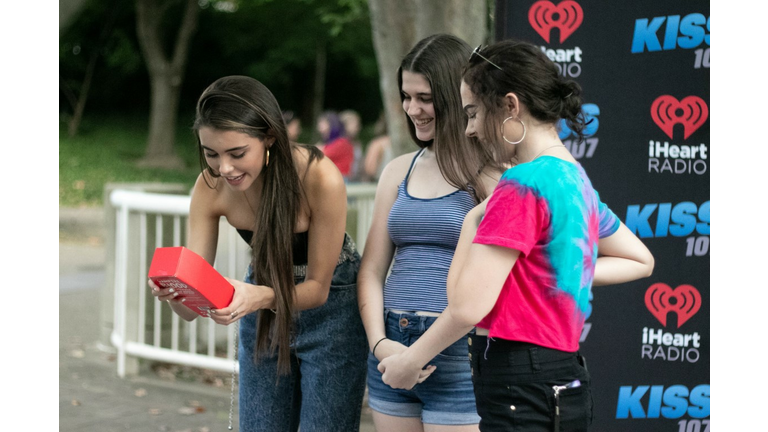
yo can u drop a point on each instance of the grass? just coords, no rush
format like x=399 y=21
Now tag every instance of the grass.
x=106 y=151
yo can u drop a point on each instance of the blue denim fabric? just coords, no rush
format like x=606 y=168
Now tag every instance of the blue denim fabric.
x=445 y=397
x=514 y=387
x=324 y=391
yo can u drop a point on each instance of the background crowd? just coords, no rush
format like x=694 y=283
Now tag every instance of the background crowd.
x=339 y=139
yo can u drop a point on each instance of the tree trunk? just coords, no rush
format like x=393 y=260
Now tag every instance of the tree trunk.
x=162 y=123
x=397 y=25
x=393 y=25
x=166 y=76
x=79 y=106
x=318 y=99
x=465 y=19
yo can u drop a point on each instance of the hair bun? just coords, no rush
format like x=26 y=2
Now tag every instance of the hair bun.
x=567 y=89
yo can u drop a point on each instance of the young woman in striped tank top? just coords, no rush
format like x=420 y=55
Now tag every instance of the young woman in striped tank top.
x=421 y=200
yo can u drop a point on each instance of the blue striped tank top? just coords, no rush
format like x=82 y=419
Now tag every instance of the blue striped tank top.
x=425 y=233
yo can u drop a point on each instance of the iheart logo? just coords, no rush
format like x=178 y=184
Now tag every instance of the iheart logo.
x=691 y=112
x=566 y=16
x=684 y=300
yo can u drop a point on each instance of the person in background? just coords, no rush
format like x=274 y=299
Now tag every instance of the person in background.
x=334 y=142
x=528 y=256
x=352 y=126
x=292 y=125
x=302 y=345
x=421 y=200
x=379 y=151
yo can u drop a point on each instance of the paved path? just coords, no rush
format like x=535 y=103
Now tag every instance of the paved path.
x=92 y=398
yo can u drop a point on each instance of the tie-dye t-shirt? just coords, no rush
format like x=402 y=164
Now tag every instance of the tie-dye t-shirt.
x=547 y=210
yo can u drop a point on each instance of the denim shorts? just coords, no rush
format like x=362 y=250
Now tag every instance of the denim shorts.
x=324 y=391
x=515 y=387
x=444 y=398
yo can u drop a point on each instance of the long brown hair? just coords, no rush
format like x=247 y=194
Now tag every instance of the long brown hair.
x=243 y=104
x=440 y=58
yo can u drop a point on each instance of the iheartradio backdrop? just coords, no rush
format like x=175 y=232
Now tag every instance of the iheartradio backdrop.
x=644 y=69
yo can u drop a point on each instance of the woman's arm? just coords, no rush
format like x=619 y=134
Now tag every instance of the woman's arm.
x=327 y=197
x=373 y=156
x=475 y=281
x=377 y=259
x=460 y=256
x=622 y=257
x=203 y=229
x=475 y=294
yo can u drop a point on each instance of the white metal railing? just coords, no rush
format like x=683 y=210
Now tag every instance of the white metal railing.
x=141 y=329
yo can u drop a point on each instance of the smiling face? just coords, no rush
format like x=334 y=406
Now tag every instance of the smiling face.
x=417 y=103
x=239 y=158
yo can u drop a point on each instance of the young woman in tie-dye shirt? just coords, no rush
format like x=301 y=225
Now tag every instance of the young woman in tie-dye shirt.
x=529 y=255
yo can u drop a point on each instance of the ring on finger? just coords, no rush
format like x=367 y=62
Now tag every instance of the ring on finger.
x=234 y=314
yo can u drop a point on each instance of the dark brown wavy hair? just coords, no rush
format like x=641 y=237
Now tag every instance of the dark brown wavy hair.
x=243 y=104
x=525 y=70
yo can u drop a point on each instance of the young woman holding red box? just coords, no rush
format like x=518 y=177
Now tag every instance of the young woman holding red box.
x=289 y=202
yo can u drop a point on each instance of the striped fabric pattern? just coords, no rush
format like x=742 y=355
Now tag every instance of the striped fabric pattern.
x=425 y=233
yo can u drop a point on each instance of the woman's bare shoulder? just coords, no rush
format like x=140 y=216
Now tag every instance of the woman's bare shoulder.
x=318 y=176
x=397 y=168
x=209 y=195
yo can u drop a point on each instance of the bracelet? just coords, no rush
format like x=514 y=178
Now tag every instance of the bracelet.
x=377 y=344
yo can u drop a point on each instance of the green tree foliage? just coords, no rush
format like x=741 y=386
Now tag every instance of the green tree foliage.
x=121 y=83
x=273 y=41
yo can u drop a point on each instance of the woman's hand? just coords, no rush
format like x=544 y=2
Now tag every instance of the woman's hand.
x=176 y=303
x=394 y=371
x=165 y=294
x=248 y=298
x=399 y=372
x=394 y=374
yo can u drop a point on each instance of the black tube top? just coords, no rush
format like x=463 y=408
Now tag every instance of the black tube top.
x=300 y=245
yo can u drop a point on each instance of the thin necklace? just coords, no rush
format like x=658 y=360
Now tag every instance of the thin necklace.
x=540 y=153
x=249 y=202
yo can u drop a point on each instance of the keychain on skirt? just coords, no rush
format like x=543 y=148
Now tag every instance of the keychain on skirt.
x=558 y=389
x=232 y=387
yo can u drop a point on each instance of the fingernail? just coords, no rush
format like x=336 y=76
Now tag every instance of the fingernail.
x=184 y=299
x=171 y=290
x=212 y=312
x=175 y=295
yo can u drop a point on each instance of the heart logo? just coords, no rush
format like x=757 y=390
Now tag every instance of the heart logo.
x=684 y=300
x=691 y=112
x=566 y=16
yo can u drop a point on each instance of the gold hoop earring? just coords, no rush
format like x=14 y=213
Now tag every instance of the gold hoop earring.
x=502 y=130
x=267 y=164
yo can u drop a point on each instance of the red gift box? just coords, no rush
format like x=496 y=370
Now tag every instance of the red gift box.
x=192 y=277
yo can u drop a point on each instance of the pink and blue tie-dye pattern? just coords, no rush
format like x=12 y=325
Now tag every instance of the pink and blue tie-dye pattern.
x=548 y=210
